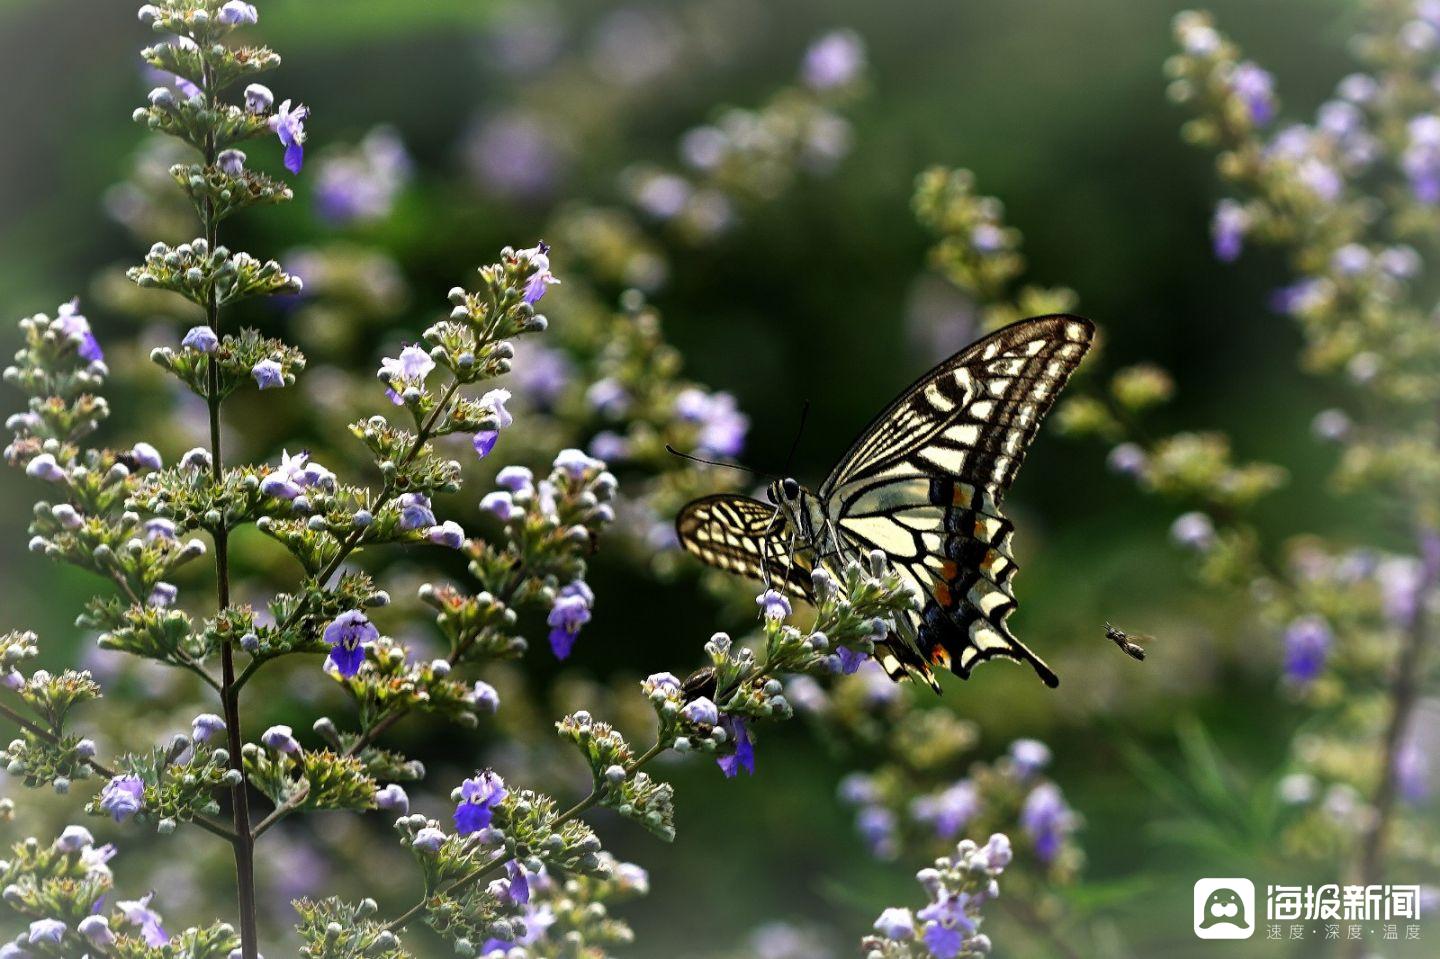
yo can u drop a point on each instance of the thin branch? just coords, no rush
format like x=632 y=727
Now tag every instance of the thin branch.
x=205 y=823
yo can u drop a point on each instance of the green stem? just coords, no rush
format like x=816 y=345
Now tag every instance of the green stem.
x=243 y=839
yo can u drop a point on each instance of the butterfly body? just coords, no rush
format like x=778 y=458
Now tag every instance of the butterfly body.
x=923 y=484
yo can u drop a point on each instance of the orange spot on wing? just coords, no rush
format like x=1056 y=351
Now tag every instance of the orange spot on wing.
x=949 y=569
x=942 y=594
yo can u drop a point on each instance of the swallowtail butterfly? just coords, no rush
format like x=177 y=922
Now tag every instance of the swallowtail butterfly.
x=924 y=484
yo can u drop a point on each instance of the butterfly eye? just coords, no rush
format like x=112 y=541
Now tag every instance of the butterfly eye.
x=790 y=488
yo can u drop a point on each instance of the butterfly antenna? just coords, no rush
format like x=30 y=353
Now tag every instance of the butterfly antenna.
x=795 y=445
x=733 y=466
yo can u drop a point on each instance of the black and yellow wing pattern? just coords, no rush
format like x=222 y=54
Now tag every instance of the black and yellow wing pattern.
x=925 y=482
x=745 y=536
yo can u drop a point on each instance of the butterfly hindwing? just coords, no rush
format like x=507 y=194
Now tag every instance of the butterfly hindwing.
x=925 y=481
x=745 y=536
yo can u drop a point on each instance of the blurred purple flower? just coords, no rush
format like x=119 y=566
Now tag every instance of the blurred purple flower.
x=722 y=425
x=1256 y=89
x=361 y=184
x=1307 y=644
x=948 y=811
x=1421 y=159
x=834 y=60
x=1228 y=229
x=513 y=154
x=1046 y=820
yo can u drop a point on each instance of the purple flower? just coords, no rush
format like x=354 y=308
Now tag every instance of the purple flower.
x=97 y=930
x=744 y=755
x=608 y=397
x=483 y=697
x=258 y=98
x=146 y=456
x=574 y=463
x=773 y=605
x=201 y=339
x=1029 y=756
x=1331 y=425
x=1046 y=820
x=478 y=798
x=394 y=798
x=850 y=660
x=1256 y=89
x=123 y=797
x=415 y=511
x=519 y=891
x=1421 y=159
x=514 y=154
x=949 y=811
x=362 y=184
x=1127 y=459
x=237 y=12
x=412 y=365
x=896 y=924
x=429 y=839
x=347 y=635
x=833 y=61
x=77 y=328
x=878 y=827
x=514 y=478
x=998 y=852
x=541 y=279
x=205 y=726
x=231 y=162
x=74 y=839
x=722 y=425
x=137 y=912
x=281 y=739
x=500 y=503
x=1307 y=644
x=494 y=402
x=944 y=942
x=449 y=534
x=44 y=467
x=289 y=126
x=268 y=375
x=1228 y=229
x=1413 y=777
x=701 y=712
x=47 y=930
x=570 y=612
x=162 y=594
x=1194 y=530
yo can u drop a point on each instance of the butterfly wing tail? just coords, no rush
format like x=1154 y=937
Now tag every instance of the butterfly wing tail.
x=901 y=661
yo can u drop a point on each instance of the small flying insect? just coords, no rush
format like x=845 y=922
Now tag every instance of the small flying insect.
x=1126 y=642
x=923 y=484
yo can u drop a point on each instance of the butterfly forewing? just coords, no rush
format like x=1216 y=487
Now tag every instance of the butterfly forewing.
x=925 y=481
x=744 y=536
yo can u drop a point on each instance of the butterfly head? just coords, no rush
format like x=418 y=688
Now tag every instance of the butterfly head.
x=784 y=492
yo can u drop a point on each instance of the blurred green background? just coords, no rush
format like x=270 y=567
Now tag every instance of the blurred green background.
x=1059 y=109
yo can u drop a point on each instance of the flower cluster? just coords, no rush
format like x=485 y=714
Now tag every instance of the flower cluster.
x=948 y=926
